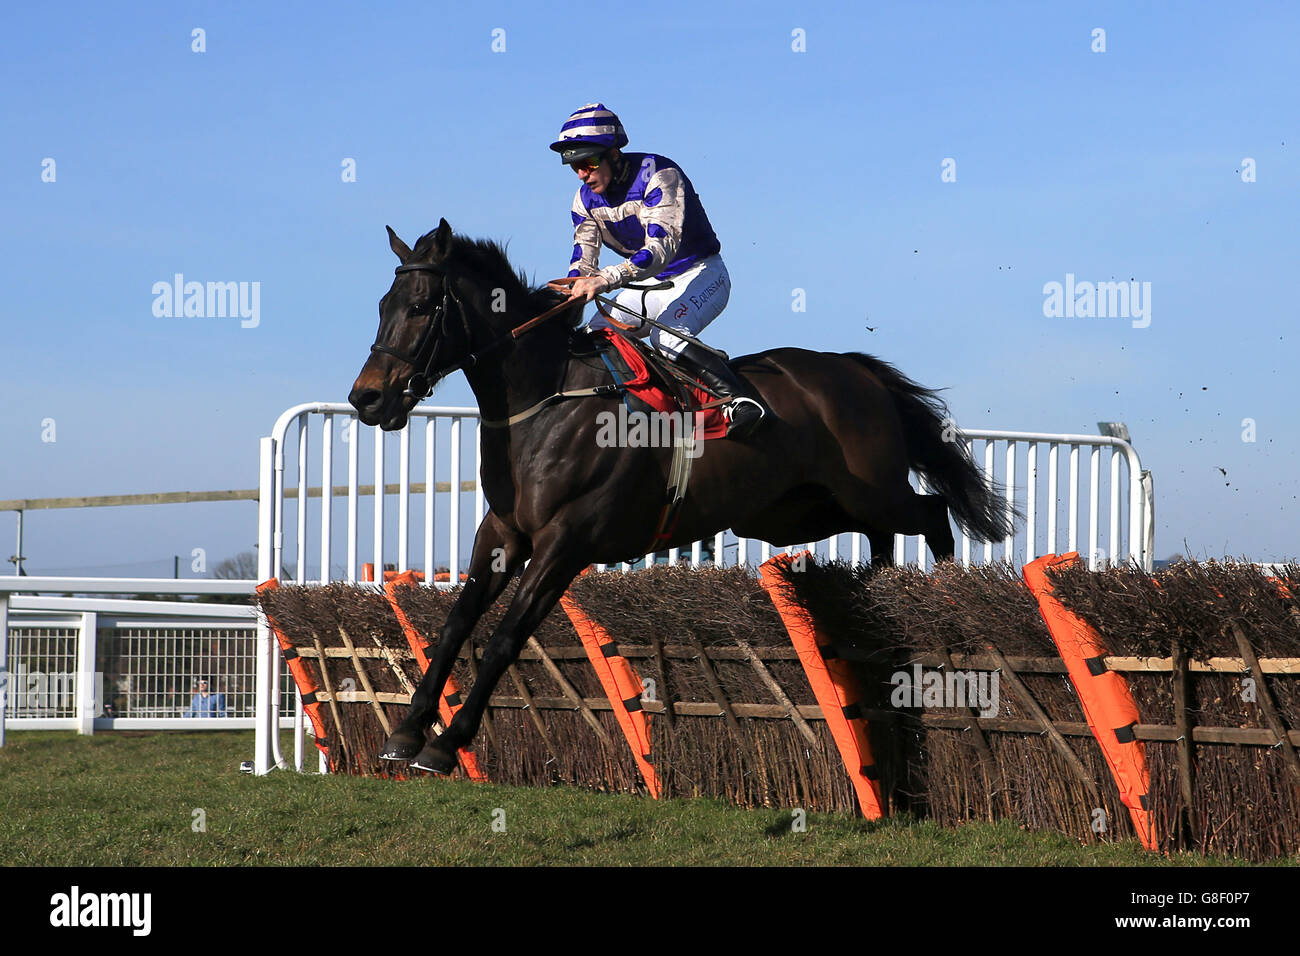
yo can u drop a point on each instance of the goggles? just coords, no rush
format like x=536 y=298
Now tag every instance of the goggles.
x=586 y=164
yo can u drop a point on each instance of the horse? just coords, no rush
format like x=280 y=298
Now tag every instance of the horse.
x=842 y=433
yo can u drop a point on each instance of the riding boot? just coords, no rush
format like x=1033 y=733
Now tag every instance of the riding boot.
x=745 y=409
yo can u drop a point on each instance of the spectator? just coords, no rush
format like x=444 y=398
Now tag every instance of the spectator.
x=205 y=704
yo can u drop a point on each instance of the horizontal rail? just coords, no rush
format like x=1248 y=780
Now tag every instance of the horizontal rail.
x=114 y=501
x=185 y=497
x=1248 y=736
x=975 y=662
x=286 y=418
x=10 y=584
x=246 y=612
x=141 y=723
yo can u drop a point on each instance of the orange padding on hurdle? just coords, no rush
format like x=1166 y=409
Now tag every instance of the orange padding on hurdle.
x=621 y=685
x=834 y=685
x=446 y=709
x=1107 y=703
x=301 y=675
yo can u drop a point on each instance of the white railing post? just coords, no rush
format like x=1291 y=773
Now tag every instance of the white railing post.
x=988 y=476
x=430 y=494
x=276 y=500
x=326 y=497
x=1031 y=502
x=354 y=464
x=403 y=501
x=4 y=663
x=1053 y=498
x=84 y=680
x=1009 y=545
x=965 y=538
x=304 y=472
x=299 y=738
x=1144 y=529
x=1094 y=480
x=378 y=537
x=1073 y=544
x=453 y=556
x=265 y=711
x=1114 y=505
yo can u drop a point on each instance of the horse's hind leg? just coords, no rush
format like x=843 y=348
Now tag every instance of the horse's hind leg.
x=498 y=552
x=902 y=512
x=938 y=533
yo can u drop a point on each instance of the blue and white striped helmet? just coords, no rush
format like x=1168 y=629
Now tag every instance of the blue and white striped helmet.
x=589 y=131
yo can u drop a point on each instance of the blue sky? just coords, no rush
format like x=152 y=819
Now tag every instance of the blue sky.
x=820 y=170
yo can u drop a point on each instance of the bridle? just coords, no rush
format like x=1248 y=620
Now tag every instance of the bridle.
x=420 y=384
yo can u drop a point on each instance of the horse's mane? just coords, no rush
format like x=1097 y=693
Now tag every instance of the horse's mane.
x=488 y=258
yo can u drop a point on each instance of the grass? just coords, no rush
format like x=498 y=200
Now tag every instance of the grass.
x=116 y=800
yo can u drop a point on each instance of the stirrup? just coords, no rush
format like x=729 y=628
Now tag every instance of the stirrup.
x=746 y=425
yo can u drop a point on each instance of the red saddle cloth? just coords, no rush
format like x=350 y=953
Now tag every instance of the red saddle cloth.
x=710 y=423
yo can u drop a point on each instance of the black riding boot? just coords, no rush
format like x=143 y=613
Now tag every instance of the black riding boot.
x=746 y=409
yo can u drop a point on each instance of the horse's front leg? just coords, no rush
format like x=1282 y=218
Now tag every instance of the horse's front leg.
x=882 y=549
x=498 y=552
x=543 y=582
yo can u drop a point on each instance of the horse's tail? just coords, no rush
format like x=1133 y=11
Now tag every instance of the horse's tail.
x=937 y=450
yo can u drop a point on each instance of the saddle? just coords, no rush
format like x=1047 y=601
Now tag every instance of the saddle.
x=649 y=382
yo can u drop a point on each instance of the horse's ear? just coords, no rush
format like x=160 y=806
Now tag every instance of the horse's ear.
x=442 y=240
x=400 y=249
x=435 y=245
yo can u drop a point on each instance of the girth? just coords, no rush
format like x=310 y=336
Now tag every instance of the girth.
x=677 y=384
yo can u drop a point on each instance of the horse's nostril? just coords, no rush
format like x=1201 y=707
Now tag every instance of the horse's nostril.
x=366 y=399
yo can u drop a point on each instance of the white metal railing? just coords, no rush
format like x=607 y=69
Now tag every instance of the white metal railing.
x=101 y=663
x=1126 y=519
x=437 y=434
x=325 y=534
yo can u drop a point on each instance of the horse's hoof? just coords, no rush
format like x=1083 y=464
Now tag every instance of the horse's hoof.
x=402 y=745
x=435 y=760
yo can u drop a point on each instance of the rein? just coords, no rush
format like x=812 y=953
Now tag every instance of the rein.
x=420 y=384
x=681 y=334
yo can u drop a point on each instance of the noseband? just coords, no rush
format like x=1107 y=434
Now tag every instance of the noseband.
x=420 y=384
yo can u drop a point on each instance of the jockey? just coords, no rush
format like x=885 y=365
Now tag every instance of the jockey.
x=641 y=205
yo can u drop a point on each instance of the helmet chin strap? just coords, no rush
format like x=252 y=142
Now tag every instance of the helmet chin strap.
x=618 y=175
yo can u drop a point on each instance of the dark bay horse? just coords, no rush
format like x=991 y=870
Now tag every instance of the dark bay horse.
x=834 y=457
